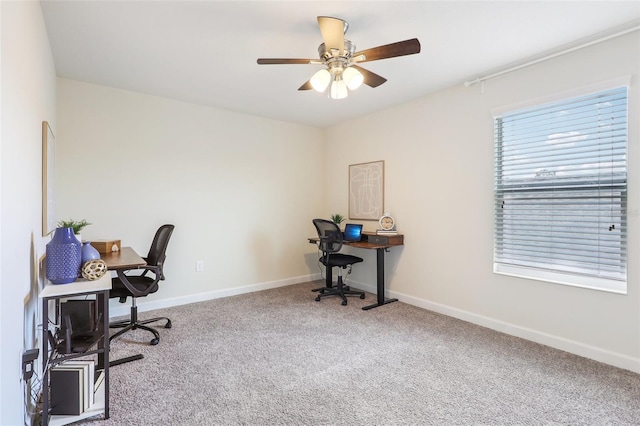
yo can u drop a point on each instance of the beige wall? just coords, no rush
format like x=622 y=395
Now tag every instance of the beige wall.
x=438 y=154
x=28 y=92
x=241 y=190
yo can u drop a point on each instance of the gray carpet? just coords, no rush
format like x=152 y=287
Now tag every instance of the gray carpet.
x=277 y=357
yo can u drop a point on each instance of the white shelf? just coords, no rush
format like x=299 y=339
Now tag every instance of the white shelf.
x=96 y=409
x=79 y=286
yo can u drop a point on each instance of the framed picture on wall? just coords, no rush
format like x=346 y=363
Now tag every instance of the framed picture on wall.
x=48 y=181
x=366 y=190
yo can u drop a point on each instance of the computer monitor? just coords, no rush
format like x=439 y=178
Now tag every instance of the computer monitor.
x=352 y=232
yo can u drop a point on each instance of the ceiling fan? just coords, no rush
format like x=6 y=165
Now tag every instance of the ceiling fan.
x=339 y=57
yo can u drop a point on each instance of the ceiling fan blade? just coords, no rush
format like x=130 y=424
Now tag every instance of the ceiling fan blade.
x=332 y=30
x=371 y=79
x=275 y=61
x=401 y=48
x=306 y=86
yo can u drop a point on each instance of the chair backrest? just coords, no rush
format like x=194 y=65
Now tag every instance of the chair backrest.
x=329 y=234
x=158 y=248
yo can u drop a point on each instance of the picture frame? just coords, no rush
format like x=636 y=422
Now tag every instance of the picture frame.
x=48 y=179
x=366 y=190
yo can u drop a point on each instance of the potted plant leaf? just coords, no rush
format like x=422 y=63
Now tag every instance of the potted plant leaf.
x=337 y=218
x=76 y=225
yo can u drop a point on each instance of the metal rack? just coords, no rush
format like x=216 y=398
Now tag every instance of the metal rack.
x=54 y=292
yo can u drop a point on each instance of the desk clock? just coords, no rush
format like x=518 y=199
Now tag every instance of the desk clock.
x=387 y=223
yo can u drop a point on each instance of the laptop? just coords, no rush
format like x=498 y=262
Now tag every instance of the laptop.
x=352 y=232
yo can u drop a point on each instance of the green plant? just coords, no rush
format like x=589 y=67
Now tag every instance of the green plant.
x=77 y=225
x=337 y=218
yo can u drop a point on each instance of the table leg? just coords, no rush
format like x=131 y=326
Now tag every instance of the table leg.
x=45 y=361
x=380 y=282
x=104 y=356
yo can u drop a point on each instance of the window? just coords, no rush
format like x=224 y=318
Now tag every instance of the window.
x=561 y=191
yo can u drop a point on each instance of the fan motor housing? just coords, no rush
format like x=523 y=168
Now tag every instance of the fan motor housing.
x=326 y=54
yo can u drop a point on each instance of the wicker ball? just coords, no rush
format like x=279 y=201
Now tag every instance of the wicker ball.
x=94 y=269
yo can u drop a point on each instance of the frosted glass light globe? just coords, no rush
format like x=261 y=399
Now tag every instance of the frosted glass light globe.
x=320 y=80
x=353 y=78
x=338 y=89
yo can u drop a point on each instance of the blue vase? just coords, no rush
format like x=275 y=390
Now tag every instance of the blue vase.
x=89 y=252
x=64 y=257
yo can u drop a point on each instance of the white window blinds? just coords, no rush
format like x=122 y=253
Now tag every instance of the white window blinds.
x=561 y=191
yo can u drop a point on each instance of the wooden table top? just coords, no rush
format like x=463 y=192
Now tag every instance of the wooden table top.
x=125 y=258
x=361 y=244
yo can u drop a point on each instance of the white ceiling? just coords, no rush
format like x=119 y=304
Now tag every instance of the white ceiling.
x=205 y=52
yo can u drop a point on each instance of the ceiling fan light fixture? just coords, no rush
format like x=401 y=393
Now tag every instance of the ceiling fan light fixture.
x=320 y=80
x=338 y=89
x=353 y=78
x=339 y=56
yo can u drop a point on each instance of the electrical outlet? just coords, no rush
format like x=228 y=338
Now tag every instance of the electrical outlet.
x=199 y=265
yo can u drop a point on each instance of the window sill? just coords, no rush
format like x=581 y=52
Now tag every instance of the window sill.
x=591 y=283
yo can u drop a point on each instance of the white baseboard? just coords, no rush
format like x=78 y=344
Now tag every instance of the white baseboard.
x=149 y=305
x=598 y=354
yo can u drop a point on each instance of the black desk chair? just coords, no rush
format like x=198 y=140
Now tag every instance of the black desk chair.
x=330 y=244
x=134 y=286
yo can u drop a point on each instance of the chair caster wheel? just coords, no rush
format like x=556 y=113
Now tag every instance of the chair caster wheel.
x=155 y=341
x=168 y=324
x=362 y=296
x=344 y=303
x=318 y=299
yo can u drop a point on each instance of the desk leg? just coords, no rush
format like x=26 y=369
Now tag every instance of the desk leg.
x=103 y=298
x=380 y=282
x=45 y=361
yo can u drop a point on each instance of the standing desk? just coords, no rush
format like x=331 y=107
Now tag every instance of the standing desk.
x=380 y=250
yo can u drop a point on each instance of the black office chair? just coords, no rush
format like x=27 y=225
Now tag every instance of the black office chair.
x=330 y=244
x=134 y=286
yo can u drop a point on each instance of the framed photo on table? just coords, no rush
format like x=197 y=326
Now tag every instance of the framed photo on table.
x=48 y=179
x=366 y=190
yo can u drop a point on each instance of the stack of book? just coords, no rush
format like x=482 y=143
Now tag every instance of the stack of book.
x=73 y=386
x=385 y=232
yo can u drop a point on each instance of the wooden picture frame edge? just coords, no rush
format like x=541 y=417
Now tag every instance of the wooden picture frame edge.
x=48 y=163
